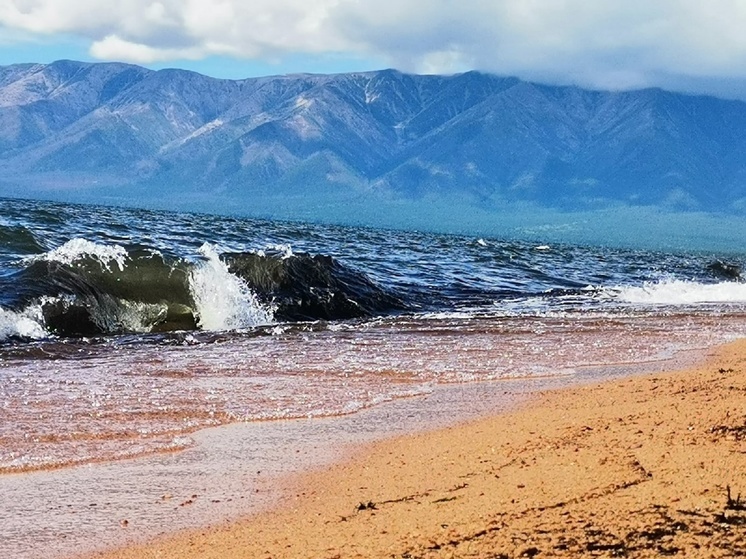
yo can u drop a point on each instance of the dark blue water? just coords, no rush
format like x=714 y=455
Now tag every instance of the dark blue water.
x=76 y=271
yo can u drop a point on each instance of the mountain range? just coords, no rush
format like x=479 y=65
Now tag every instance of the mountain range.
x=109 y=130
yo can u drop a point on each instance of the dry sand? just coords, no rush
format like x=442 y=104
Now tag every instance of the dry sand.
x=638 y=468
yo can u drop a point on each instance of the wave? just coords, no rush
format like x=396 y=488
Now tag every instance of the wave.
x=312 y=287
x=18 y=239
x=223 y=301
x=83 y=288
x=681 y=292
x=725 y=270
x=24 y=325
x=75 y=250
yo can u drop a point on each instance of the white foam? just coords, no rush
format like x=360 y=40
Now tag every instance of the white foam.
x=285 y=251
x=680 y=292
x=78 y=248
x=27 y=324
x=224 y=301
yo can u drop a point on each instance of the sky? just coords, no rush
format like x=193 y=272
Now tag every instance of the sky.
x=695 y=46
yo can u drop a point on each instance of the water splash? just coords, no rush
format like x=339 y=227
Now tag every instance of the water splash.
x=75 y=249
x=224 y=301
x=284 y=251
x=681 y=292
x=26 y=324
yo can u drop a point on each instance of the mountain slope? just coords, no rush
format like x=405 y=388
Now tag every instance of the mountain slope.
x=124 y=130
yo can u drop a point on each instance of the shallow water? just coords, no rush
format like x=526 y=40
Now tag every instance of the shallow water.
x=103 y=401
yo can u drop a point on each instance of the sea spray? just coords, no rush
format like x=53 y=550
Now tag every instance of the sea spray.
x=283 y=251
x=77 y=248
x=26 y=325
x=222 y=300
x=682 y=292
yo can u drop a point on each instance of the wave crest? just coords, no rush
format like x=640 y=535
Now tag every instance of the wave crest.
x=222 y=300
x=24 y=325
x=85 y=288
x=681 y=292
x=77 y=249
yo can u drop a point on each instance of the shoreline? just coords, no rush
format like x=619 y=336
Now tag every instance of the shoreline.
x=231 y=471
x=640 y=466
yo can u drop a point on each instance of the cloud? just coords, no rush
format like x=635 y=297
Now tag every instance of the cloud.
x=626 y=43
x=113 y=47
x=609 y=44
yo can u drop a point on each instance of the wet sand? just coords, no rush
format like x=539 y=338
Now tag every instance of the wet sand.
x=646 y=466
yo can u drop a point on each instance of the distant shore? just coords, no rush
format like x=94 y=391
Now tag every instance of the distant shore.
x=646 y=466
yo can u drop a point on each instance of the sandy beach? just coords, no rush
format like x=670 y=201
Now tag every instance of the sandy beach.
x=646 y=466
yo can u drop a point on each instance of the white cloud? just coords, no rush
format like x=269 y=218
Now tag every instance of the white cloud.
x=612 y=43
x=113 y=47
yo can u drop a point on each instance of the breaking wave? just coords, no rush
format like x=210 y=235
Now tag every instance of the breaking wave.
x=21 y=325
x=77 y=249
x=681 y=292
x=82 y=288
x=223 y=301
x=123 y=280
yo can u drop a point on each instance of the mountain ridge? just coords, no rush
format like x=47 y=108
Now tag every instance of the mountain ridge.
x=114 y=129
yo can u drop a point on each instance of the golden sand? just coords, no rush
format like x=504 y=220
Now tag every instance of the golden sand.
x=643 y=467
